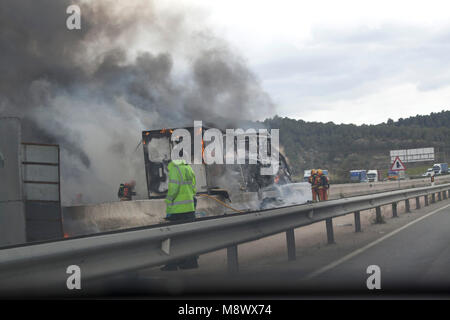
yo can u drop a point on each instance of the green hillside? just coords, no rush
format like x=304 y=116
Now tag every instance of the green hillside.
x=340 y=148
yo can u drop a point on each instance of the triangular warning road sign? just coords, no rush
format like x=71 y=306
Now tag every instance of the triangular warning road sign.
x=398 y=165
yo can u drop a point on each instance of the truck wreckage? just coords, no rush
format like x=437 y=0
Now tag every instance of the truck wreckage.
x=222 y=189
x=221 y=178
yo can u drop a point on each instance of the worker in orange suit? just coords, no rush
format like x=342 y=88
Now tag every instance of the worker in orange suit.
x=324 y=185
x=314 y=185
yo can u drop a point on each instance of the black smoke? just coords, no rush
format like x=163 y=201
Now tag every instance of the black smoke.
x=132 y=66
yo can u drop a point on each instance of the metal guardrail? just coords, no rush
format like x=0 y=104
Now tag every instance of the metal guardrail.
x=44 y=265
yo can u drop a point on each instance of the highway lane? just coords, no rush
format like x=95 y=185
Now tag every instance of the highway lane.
x=414 y=258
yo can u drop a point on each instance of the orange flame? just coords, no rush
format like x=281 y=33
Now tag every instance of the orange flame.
x=203 y=150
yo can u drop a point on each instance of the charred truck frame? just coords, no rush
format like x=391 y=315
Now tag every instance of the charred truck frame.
x=211 y=178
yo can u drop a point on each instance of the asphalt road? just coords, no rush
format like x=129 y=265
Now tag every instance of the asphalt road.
x=413 y=257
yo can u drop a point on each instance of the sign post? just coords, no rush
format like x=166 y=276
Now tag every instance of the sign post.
x=398 y=165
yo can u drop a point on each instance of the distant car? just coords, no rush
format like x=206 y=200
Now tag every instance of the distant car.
x=428 y=173
x=306 y=175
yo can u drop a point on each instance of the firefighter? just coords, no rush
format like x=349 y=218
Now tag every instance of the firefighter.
x=126 y=191
x=181 y=203
x=324 y=185
x=314 y=185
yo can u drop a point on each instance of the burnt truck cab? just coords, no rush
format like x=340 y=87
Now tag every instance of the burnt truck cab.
x=157 y=145
x=211 y=178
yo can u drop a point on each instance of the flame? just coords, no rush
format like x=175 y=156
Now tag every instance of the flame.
x=277 y=179
x=203 y=150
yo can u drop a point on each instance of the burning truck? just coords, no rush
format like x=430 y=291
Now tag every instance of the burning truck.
x=224 y=178
x=221 y=188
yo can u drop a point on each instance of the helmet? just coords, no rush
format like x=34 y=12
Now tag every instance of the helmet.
x=319 y=172
x=313 y=171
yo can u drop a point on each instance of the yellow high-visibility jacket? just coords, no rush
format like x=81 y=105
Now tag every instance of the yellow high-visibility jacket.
x=181 y=191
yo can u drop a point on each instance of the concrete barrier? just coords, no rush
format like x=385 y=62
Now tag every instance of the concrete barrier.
x=355 y=189
x=89 y=219
x=110 y=216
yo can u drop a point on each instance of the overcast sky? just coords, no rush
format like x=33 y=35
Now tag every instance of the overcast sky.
x=343 y=61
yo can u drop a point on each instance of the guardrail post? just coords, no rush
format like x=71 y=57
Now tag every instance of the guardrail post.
x=433 y=198
x=232 y=258
x=357 y=221
x=330 y=233
x=426 y=200
x=445 y=194
x=408 y=208
x=290 y=242
x=394 y=210
x=379 y=218
x=417 y=203
x=439 y=196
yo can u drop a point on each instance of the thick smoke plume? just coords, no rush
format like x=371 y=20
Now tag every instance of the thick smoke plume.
x=133 y=66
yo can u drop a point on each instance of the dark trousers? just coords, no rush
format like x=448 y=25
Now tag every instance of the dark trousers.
x=187 y=263
x=181 y=217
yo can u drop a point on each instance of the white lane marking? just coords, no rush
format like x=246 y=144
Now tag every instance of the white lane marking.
x=361 y=250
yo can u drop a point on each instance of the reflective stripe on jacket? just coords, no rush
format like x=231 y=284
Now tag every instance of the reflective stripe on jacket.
x=181 y=191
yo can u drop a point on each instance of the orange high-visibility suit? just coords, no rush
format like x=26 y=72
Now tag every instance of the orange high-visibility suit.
x=323 y=188
x=315 y=182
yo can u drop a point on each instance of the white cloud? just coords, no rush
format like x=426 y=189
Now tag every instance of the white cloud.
x=394 y=102
x=321 y=60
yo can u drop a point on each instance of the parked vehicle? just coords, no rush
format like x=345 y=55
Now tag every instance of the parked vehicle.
x=358 y=176
x=306 y=175
x=372 y=176
x=440 y=168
